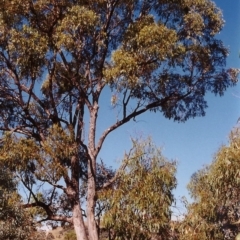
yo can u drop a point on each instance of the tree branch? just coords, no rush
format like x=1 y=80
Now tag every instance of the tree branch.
x=53 y=184
x=134 y=114
x=51 y=217
x=46 y=207
x=127 y=119
x=57 y=218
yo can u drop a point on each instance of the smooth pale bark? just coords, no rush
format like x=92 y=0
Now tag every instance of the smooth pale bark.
x=91 y=195
x=92 y=227
x=91 y=201
x=78 y=223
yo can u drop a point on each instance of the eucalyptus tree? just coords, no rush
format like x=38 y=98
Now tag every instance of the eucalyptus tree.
x=138 y=205
x=58 y=57
x=215 y=212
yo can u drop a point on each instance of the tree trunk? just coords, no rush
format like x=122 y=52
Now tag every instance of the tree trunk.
x=92 y=226
x=91 y=194
x=78 y=223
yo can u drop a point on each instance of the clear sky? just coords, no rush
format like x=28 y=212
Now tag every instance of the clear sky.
x=193 y=143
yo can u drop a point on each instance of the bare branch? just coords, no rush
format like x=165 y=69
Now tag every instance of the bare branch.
x=134 y=114
x=126 y=100
x=56 y=218
x=53 y=184
x=51 y=217
x=125 y=120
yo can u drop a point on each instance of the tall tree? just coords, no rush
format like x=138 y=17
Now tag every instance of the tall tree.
x=215 y=212
x=57 y=57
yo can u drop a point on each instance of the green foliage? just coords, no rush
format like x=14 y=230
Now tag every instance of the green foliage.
x=138 y=205
x=78 y=23
x=153 y=55
x=216 y=188
x=46 y=163
x=15 y=222
x=137 y=49
x=27 y=156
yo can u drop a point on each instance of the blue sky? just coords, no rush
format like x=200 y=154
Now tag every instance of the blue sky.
x=193 y=143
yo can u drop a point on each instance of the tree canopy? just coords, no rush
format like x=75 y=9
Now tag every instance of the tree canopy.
x=138 y=205
x=215 y=213
x=58 y=57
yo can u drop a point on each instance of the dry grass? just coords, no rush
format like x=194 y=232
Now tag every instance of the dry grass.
x=59 y=233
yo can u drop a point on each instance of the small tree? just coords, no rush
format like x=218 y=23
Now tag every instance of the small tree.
x=59 y=57
x=138 y=205
x=215 y=213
